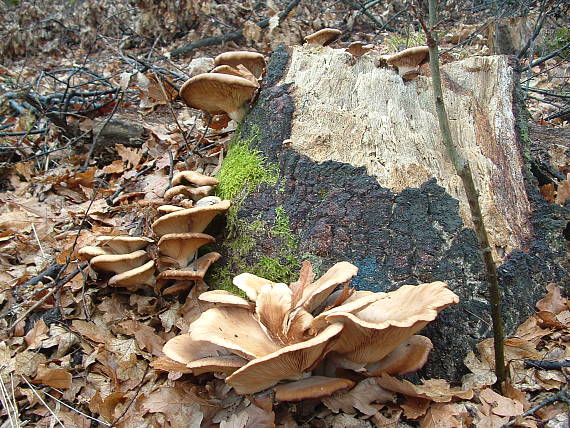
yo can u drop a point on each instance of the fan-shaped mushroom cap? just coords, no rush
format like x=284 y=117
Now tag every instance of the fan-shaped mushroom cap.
x=87 y=253
x=272 y=306
x=289 y=362
x=316 y=293
x=250 y=284
x=408 y=357
x=253 y=61
x=311 y=387
x=195 y=271
x=216 y=93
x=208 y=200
x=323 y=37
x=194 y=178
x=357 y=49
x=194 y=193
x=190 y=220
x=142 y=275
x=225 y=298
x=124 y=244
x=235 y=329
x=183 y=246
x=167 y=209
x=240 y=71
x=119 y=263
x=183 y=349
x=377 y=329
x=224 y=364
x=409 y=60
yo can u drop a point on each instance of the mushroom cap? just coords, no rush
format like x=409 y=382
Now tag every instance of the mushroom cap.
x=250 y=284
x=225 y=298
x=167 y=209
x=408 y=357
x=311 y=387
x=253 y=61
x=177 y=288
x=193 y=178
x=195 y=271
x=183 y=349
x=323 y=37
x=409 y=59
x=193 y=193
x=290 y=362
x=225 y=364
x=189 y=220
x=119 y=263
x=140 y=276
x=208 y=200
x=388 y=321
x=357 y=49
x=239 y=70
x=183 y=246
x=235 y=329
x=216 y=93
x=87 y=253
x=124 y=244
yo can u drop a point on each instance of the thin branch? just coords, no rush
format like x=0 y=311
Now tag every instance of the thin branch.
x=42 y=401
x=464 y=171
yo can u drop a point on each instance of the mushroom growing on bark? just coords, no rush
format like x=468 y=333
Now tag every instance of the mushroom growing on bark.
x=284 y=334
x=323 y=37
x=253 y=61
x=216 y=93
x=408 y=61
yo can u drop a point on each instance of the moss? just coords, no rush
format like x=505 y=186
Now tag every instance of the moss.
x=243 y=171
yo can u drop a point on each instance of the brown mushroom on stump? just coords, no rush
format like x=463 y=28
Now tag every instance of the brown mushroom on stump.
x=253 y=61
x=216 y=93
x=323 y=37
x=408 y=61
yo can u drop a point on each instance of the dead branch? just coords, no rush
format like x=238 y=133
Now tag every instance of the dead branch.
x=464 y=171
x=234 y=35
x=546 y=365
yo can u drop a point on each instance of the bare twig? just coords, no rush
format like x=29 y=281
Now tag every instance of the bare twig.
x=139 y=387
x=464 y=171
x=76 y=410
x=42 y=401
x=546 y=365
x=559 y=396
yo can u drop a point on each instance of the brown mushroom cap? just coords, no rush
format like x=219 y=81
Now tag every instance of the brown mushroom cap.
x=87 y=253
x=240 y=71
x=225 y=298
x=357 y=49
x=193 y=193
x=216 y=93
x=119 y=263
x=184 y=349
x=289 y=362
x=311 y=387
x=183 y=246
x=194 y=178
x=224 y=364
x=190 y=220
x=195 y=271
x=167 y=209
x=250 y=284
x=323 y=37
x=408 y=60
x=408 y=357
x=389 y=321
x=253 y=61
x=140 y=276
x=124 y=244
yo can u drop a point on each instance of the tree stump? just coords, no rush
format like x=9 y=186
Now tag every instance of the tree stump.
x=360 y=174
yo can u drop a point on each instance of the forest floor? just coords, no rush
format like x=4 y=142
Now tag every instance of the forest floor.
x=76 y=352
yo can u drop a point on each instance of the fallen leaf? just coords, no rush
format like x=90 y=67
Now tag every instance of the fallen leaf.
x=553 y=301
x=437 y=390
x=441 y=415
x=55 y=378
x=37 y=334
x=360 y=397
x=499 y=405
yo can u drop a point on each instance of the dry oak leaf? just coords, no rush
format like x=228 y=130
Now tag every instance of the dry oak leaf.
x=553 y=301
x=55 y=378
x=125 y=350
x=60 y=337
x=38 y=333
x=414 y=407
x=499 y=405
x=27 y=362
x=145 y=336
x=96 y=333
x=437 y=390
x=181 y=407
x=105 y=407
x=441 y=415
x=360 y=397
x=131 y=156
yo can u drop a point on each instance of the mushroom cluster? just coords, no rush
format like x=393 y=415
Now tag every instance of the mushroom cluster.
x=125 y=257
x=228 y=87
x=180 y=231
x=308 y=332
x=179 y=228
